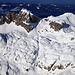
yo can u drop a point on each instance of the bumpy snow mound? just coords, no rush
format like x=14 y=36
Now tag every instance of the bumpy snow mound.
x=43 y=51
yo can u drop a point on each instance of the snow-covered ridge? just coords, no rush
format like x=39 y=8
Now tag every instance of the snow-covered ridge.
x=42 y=51
x=66 y=22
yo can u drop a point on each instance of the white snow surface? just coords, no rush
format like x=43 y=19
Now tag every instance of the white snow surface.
x=42 y=51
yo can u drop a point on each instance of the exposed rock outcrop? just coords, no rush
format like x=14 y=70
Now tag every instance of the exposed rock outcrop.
x=55 y=26
x=10 y=17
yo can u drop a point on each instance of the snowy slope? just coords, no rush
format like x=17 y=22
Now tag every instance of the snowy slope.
x=42 y=51
x=56 y=48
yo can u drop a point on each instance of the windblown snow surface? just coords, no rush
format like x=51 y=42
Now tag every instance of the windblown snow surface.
x=42 y=51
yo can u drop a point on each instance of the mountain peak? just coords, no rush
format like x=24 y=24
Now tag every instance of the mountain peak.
x=24 y=18
x=25 y=11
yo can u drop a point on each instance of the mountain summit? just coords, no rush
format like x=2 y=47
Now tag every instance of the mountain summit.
x=24 y=18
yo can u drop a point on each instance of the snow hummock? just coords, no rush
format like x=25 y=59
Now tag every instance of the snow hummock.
x=42 y=51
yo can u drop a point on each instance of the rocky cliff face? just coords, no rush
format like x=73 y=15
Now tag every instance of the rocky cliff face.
x=2 y=20
x=24 y=18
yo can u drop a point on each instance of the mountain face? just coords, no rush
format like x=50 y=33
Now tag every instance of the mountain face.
x=25 y=18
x=48 y=49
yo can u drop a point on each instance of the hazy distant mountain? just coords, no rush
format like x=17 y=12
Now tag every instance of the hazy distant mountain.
x=40 y=1
x=40 y=10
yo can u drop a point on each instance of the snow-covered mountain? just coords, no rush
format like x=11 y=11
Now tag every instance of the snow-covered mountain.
x=24 y=18
x=48 y=49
